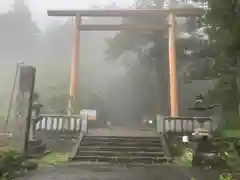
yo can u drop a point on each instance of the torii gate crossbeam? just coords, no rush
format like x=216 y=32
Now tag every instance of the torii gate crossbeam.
x=172 y=13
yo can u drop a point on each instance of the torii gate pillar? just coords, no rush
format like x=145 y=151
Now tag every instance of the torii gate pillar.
x=74 y=66
x=174 y=101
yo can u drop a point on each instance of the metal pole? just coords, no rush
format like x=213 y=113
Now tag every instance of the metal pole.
x=12 y=94
x=174 y=102
x=74 y=66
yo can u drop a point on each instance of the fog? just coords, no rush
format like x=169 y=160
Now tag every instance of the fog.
x=120 y=88
x=52 y=59
x=38 y=8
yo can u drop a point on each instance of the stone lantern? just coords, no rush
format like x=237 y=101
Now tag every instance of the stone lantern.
x=36 y=108
x=200 y=108
x=35 y=146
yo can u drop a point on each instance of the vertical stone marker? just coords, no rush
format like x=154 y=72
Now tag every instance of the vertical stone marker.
x=22 y=118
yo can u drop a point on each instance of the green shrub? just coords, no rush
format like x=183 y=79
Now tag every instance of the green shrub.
x=187 y=157
x=177 y=148
x=227 y=176
x=10 y=162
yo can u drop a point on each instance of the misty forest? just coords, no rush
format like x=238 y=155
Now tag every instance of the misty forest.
x=125 y=75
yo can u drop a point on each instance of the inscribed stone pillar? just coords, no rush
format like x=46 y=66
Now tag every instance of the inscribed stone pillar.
x=21 y=121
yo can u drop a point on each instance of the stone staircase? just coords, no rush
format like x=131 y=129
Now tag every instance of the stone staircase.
x=121 y=150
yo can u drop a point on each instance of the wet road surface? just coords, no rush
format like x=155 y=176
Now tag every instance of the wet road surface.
x=117 y=172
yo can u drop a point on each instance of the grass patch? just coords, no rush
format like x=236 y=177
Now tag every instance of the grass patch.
x=54 y=159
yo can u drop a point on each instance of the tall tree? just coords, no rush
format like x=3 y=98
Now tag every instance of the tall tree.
x=18 y=33
x=223 y=22
x=18 y=39
x=152 y=48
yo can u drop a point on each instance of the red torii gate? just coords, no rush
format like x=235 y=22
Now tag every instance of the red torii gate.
x=172 y=14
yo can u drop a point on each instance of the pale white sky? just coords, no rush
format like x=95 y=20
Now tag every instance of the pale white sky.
x=39 y=7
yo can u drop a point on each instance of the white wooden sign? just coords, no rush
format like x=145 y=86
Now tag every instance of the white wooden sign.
x=92 y=114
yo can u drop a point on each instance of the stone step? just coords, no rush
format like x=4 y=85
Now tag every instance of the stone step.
x=122 y=137
x=123 y=140
x=142 y=159
x=55 y=135
x=120 y=153
x=120 y=143
x=120 y=148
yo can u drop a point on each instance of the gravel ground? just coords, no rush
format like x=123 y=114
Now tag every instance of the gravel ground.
x=117 y=172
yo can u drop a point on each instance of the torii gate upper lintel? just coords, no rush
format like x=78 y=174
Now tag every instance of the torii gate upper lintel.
x=172 y=14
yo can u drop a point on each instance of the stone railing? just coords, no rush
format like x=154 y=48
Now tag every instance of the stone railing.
x=57 y=122
x=50 y=122
x=182 y=124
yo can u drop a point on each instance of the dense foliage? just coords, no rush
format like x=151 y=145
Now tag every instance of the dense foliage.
x=223 y=27
x=10 y=162
x=152 y=51
x=216 y=57
x=49 y=51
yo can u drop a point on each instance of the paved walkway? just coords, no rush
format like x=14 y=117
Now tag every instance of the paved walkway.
x=117 y=172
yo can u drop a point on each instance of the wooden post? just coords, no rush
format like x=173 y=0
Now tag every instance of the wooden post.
x=74 y=66
x=174 y=103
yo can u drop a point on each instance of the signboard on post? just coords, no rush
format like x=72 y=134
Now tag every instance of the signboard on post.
x=92 y=114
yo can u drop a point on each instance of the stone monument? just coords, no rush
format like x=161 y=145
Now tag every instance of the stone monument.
x=21 y=123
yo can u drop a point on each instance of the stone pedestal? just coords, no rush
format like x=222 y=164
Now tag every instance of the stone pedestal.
x=36 y=148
